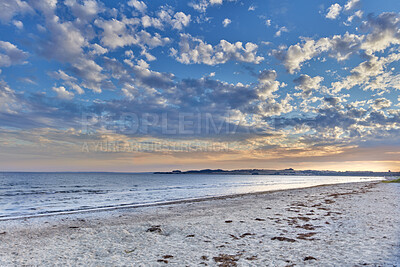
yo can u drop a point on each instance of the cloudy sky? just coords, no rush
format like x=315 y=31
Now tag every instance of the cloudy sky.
x=91 y=85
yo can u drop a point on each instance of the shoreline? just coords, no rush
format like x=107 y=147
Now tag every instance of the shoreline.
x=164 y=203
x=349 y=224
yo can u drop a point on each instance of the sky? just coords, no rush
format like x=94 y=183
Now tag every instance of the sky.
x=131 y=86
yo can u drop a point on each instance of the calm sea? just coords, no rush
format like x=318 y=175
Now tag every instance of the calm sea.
x=31 y=194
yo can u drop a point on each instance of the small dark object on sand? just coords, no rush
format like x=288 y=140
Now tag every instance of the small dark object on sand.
x=127 y=251
x=306 y=236
x=154 y=228
x=167 y=256
x=282 y=238
x=259 y=219
x=246 y=234
x=309 y=258
x=228 y=221
x=226 y=260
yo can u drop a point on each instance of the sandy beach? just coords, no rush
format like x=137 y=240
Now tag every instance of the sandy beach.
x=355 y=224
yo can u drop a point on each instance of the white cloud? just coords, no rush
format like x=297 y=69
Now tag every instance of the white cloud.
x=177 y=21
x=115 y=33
x=385 y=32
x=193 y=50
x=10 y=8
x=351 y=4
x=339 y=47
x=148 y=21
x=380 y=103
x=62 y=93
x=306 y=84
x=202 y=5
x=333 y=11
x=180 y=20
x=357 y=14
x=226 y=22
x=279 y=32
x=90 y=72
x=85 y=11
x=11 y=55
x=119 y=34
x=139 y=5
x=267 y=84
x=68 y=80
x=18 y=24
x=362 y=74
x=272 y=107
x=299 y=53
x=129 y=91
x=98 y=49
x=8 y=100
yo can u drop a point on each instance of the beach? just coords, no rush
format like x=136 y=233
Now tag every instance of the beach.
x=353 y=224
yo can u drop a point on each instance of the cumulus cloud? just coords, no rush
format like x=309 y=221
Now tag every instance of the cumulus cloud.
x=98 y=49
x=339 y=47
x=385 y=31
x=351 y=4
x=18 y=24
x=165 y=17
x=139 y=5
x=362 y=74
x=195 y=51
x=306 y=84
x=273 y=107
x=279 y=32
x=67 y=79
x=62 y=93
x=252 y=8
x=11 y=55
x=118 y=33
x=333 y=11
x=226 y=22
x=357 y=14
x=267 y=84
x=180 y=20
x=86 y=11
x=380 y=103
x=202 y=5
x=10 y=8
x=8 y=100
x=296 y=54
x=68 y=43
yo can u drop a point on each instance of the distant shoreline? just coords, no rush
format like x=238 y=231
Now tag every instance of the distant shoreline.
x=289 y=171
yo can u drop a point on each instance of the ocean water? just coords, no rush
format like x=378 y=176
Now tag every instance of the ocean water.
x=33 y=194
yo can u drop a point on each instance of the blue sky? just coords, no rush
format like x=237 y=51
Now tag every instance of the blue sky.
x=201 y=83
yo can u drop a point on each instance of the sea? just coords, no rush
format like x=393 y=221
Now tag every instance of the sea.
x=38 y=194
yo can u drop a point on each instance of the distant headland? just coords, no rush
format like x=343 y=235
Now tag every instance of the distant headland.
x=289 y=171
